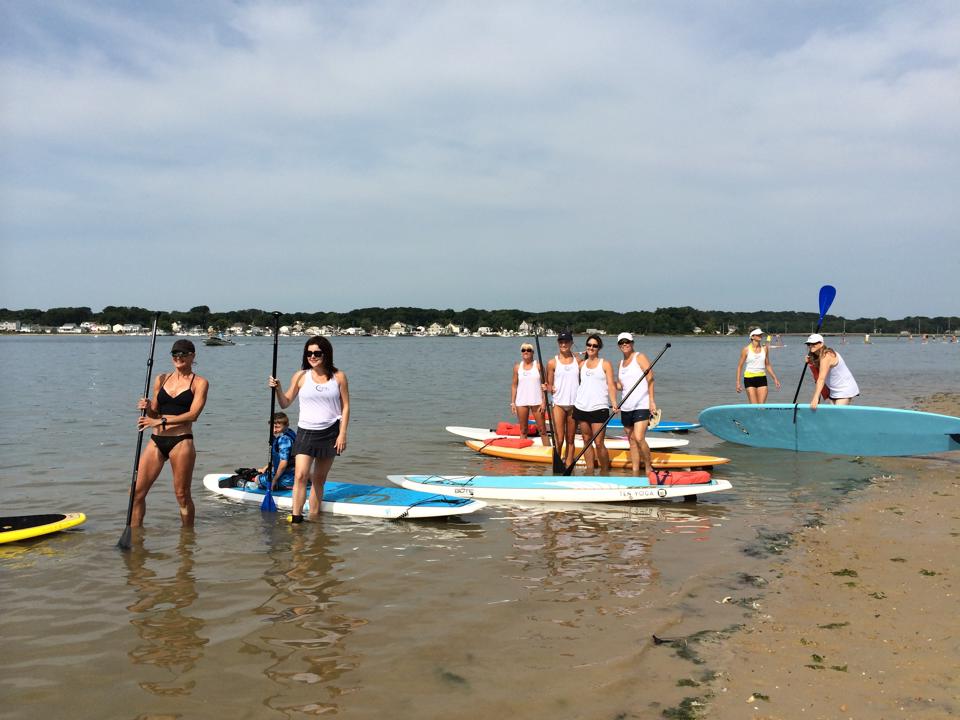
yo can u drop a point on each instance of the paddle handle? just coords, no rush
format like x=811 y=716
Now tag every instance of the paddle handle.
x=586 y=445
x=124 y=542
x=827 y=294
x=273 y=397
x=558 y=465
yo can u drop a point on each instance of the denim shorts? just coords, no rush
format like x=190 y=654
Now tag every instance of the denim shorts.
x=629 y=418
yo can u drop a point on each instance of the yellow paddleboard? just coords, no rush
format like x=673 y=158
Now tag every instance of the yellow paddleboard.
x=618 y=458
x=23 y=527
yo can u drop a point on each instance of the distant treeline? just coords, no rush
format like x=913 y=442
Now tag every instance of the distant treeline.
x=662 y=321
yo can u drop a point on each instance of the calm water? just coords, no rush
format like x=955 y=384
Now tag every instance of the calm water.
x=521 y=610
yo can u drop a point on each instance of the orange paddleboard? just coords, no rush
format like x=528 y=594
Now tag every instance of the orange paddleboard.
x=618 y=458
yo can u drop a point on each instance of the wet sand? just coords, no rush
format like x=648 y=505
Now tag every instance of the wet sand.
x=861 y=618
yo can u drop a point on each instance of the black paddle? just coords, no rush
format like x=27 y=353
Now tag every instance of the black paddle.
x=124 y=542
x=269 y=504
x=586 y=445
x=827 y=294
x=558 y=465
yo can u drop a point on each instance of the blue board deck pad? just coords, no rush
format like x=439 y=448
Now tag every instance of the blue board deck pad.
x=664 y=426
x=355 y=499
x=836 y=429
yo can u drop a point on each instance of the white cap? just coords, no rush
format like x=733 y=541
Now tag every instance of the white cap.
x=624 y=336
x=758 y=331
x=815 y=338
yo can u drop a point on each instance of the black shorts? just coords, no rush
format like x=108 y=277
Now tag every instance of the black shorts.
x=629 y=418
x=316 y=443
x=755 y=381
x=591 y=416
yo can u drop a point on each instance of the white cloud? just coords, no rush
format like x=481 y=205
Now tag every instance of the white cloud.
x=425 y=125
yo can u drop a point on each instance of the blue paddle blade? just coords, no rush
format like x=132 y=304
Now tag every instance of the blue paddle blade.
x=827 y=294
x=268 y=504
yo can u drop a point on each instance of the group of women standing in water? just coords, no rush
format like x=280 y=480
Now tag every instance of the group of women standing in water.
x=584 y=394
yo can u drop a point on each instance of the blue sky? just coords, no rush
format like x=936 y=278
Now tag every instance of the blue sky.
x=542 y=155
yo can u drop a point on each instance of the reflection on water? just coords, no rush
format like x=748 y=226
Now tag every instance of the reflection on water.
x=170 y=636
x=567 y=557
x=303 y=647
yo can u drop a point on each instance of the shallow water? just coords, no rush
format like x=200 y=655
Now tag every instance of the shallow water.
x=525 y=610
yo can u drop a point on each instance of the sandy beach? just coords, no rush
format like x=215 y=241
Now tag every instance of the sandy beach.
x=860 y=617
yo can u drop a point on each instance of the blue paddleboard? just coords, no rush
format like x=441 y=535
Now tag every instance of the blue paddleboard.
x=674 y=426
x=352 y=499
x=837 y=429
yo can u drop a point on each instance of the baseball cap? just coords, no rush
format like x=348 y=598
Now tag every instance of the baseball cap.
x=624 y=336
x=815 y=338
x=566 y=335
x=757 y=331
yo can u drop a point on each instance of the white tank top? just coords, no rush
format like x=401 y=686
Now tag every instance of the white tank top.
x=840 y=381
x=566 y=380
x=592 y=393
x=319 y=403
x=756 y=362
x=640 y=398
x=528 y=385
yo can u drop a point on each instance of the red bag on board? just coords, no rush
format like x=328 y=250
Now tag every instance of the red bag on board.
x=673 y=477
x=513 y=429
x=511 y=442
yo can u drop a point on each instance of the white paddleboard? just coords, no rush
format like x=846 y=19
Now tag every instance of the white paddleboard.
x=618 y=442
x=553 y=488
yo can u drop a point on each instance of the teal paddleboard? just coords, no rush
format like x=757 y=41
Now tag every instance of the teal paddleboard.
x=837 y=429
x=671 y=426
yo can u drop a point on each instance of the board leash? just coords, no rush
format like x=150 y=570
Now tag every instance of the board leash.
x=433 y=498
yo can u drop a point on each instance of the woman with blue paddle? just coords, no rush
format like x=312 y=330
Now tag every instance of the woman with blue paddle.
x=831 y=373
x=324 y=397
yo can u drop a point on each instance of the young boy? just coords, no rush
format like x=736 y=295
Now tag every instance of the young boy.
x=282 y=462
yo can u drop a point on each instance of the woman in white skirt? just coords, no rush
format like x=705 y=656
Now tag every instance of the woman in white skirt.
x=526 y=393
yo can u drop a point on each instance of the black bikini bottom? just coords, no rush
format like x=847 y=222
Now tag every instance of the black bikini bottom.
x=166 y=443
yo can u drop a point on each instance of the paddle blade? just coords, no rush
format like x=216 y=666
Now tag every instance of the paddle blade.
x=558 y=465
x=268 y=504
x=124 y=542
x=827 y=294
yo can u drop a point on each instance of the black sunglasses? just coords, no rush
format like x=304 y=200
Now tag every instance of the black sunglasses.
x=592 y=345
x=179 y=353
x=313 y=354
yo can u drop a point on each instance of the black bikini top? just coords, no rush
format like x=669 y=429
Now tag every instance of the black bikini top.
x=175 y=405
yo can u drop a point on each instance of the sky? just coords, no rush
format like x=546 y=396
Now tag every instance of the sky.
x=556 y=155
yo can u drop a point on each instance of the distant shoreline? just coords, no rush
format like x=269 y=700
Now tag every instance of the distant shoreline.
x=855 y=337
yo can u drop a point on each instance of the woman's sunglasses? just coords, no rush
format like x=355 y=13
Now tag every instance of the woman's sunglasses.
x=313 y=353
x=179 y=354
x=593 y=345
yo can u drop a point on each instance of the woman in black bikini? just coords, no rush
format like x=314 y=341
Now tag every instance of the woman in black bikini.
x=178 y=400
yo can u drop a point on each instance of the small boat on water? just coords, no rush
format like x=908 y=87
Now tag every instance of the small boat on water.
x=218 y=340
